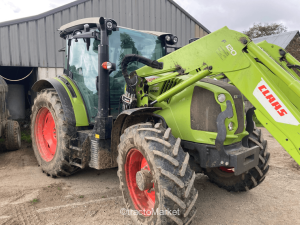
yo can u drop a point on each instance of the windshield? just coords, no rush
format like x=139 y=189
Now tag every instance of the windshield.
x=84 y=65
x=124 y=42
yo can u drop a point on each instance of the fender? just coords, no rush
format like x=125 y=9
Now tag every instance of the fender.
x=72 y=103
x=124 y=120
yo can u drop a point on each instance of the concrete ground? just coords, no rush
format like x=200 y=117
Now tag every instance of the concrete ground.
x=27 y=196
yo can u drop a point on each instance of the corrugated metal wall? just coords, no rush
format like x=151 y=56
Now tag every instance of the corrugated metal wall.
x=36 y=42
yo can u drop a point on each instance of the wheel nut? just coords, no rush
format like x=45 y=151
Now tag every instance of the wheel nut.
x=143 y=180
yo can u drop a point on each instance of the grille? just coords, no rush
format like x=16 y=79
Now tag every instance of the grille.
x=237 y=98
x=169 y=84
x=204 y=110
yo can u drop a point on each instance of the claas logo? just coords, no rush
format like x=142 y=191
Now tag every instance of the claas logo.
x=272 y=100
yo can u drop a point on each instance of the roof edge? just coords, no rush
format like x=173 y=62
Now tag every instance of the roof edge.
x=275 y=35
x=63 y=7
x=191 y=17
x=42 y=15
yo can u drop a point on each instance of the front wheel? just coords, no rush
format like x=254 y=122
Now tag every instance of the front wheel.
x=224 y=177
x=155 y=178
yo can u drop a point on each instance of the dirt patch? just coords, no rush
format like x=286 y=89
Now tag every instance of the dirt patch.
x=93 y=196
x=19 y=158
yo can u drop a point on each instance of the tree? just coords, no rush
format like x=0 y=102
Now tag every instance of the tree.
x=260 y=30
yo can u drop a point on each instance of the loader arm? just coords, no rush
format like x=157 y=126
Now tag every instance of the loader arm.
x=262 y=73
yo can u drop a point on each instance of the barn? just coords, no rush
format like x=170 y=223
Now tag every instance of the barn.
x=32 y=45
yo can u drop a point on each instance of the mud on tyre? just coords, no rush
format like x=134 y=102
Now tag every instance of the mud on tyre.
x=12 y=135
x=50 y=135
x=225 y=178
x=167 y=182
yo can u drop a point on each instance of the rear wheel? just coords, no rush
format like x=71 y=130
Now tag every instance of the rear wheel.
x=50 y=134
x=154 y=175
x=224 y=177
x=12 y=135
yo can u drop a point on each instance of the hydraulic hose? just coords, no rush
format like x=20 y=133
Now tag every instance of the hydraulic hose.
x=132 y=81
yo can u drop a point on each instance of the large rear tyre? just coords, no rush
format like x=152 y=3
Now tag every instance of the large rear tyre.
x=50 y=134
x=154 y=175
x=12 y=135
x=224 y=177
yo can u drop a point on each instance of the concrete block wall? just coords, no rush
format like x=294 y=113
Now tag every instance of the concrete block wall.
x=48 y=72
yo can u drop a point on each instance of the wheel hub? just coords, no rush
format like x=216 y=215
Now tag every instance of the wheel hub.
x=144 y=180
x=45 y=134
x=140 y=182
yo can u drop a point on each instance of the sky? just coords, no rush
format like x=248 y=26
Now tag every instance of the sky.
x=213 y=14
x=240 y=15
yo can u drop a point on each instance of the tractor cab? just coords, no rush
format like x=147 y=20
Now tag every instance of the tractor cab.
x=82 y=61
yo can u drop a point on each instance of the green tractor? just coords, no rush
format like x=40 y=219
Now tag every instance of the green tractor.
x=9 y=129
x=160 y=124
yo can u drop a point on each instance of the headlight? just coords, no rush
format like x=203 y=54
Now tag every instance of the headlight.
x=109 y=25
x=175 y=39
x=230 y=126
x=168 y=38
x=221 y=98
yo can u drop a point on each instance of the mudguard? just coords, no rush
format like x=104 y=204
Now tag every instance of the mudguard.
x=73 y=105
x=128 y=118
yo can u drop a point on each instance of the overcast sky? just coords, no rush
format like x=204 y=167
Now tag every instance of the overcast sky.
x=213 y=14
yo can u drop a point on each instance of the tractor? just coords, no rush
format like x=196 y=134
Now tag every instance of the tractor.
x=164 y=122
x=9 y=129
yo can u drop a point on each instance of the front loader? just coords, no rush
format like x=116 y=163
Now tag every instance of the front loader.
x=162 y=123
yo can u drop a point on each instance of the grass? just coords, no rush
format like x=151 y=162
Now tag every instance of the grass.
x=34 y=201
x=81 y=196
x=25 y=136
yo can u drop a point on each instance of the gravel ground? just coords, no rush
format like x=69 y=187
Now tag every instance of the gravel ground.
x=27 y=196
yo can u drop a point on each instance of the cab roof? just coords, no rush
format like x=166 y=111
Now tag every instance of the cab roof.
x=94 y=22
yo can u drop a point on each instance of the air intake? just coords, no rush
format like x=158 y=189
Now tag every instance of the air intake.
x=169 y=84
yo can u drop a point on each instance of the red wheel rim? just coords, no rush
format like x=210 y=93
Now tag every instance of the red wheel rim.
x=227 y=169
x=45 y=134
x=142 y=200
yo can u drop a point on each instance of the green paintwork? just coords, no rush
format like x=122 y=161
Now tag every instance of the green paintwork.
x=263 y=84
x=141 y=98
x=77 y=103
x=179 y=87
x=176 y=112
x=273 y=50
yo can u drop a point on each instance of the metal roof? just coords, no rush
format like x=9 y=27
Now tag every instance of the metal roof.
x=35 y=41
x=58 y=9
x=281 y=40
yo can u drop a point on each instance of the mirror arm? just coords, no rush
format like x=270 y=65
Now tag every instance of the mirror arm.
x=92 y=34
